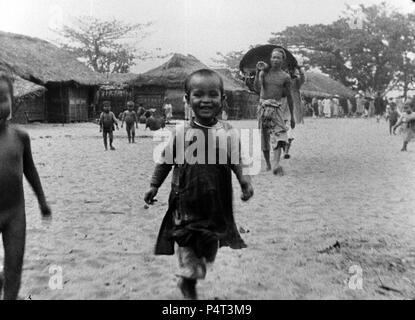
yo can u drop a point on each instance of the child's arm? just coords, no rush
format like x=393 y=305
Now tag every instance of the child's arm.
x=161 y=171
x=122 y=119
x=244 y=181
x=100 y=122
x=32 y=176
x=136 y=119
x=159 y=175
x=115 y=120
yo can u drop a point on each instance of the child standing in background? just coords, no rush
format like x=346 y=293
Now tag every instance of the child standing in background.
x=107 y=120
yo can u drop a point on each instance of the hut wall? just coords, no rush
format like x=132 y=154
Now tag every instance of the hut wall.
x=150 y=97
x=57 y=103
x=175 y=97
x=32 y=107
x=118 y=98
x=78 y=104
x=242 y=105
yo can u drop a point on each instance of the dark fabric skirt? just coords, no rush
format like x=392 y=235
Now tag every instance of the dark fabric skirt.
x=200 y=211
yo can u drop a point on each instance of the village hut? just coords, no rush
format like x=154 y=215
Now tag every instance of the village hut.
x=242 y=103
x=29 y=102
x=167 y=81
x=115 y=88
x=321 y=86
x=71 y=86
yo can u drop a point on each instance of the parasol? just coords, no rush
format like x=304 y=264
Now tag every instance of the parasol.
x=263 y=53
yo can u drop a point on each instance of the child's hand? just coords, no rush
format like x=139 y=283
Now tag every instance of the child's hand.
x=150 y=194
x=100 y=129
x=45 y=211
x=121 y=126
x=247 y=191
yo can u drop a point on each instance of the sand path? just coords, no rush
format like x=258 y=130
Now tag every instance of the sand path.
x=347 y=182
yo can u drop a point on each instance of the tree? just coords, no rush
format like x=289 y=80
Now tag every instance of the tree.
x=105 y=46
x=230 y=60
x=364 y=47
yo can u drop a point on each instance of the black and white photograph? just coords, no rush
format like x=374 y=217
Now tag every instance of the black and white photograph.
x=212 y=150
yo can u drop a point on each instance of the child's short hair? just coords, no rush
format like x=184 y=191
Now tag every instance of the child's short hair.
x=280 y=50
x=130 y=103
x=203 y=73
x=106 y=103
x=9 y=81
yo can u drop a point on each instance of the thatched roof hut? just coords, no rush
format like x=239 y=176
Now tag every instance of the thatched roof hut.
x=321 y=86
x=117 y=80
x=174 y=72
x=24 y=88
x=70 y=84
x=42 y=62
x=167 y=80
x=29 y=101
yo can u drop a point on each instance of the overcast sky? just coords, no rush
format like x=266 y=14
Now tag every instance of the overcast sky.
x=198 y=27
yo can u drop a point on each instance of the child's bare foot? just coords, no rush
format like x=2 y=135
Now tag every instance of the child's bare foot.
x=278 y=171
x=188 y=288
x=112 y=148
x=287 y=156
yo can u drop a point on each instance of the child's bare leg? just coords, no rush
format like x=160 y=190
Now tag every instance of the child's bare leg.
x=14 y=235
x=405 y=144
x=187 y=287
x=133 y=135
x=129 y=134
x=111 y=134
x=104 y=135
x=1 y=283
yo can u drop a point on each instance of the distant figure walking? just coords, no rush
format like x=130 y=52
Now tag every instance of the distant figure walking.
x=272 y=84
x=168 y=110
x=130 y=118
x=408 y=121
x=107 y=123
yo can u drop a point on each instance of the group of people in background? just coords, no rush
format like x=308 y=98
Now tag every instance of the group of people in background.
x=362 y=107
x=131 y=116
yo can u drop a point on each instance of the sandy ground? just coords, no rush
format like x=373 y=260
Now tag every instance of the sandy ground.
x=347 y=199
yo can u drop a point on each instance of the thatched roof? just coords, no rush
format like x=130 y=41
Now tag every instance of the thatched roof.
x=24 y=88
x=320 y=85
x=117 y=80
x=173 y=73
x=40 y=61
x=230 y=82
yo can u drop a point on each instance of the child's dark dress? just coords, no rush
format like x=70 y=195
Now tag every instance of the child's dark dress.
x=200 y=204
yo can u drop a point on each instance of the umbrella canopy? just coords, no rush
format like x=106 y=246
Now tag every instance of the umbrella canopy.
x=263 y=53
